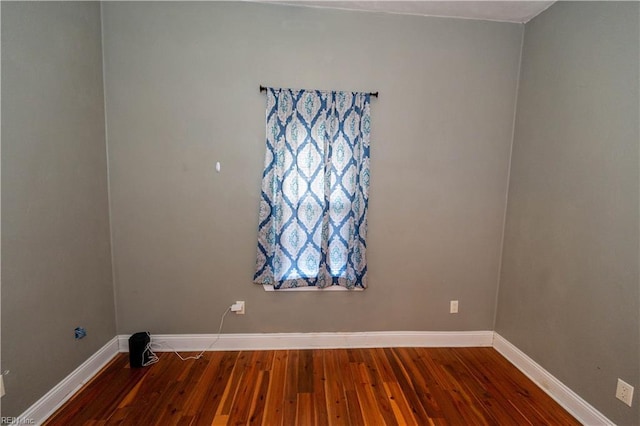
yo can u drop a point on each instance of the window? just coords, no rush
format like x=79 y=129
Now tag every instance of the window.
x=315 y=190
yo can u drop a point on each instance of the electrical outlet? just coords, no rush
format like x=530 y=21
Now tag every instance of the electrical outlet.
x=238 y=307
x=624 y=392
x=453 y=307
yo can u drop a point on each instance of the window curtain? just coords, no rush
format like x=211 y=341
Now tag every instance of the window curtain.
x=315 y=190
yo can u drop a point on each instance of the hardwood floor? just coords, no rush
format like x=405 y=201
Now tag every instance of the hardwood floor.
x=416 y=386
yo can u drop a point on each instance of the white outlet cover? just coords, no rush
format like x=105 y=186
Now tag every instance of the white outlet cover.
x=624 y=392
x=453 y=307
x=240 y=306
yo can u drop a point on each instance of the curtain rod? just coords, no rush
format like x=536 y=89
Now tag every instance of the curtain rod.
x=374 y=94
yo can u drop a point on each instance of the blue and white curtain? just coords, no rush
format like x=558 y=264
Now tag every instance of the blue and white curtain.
x=315 y=190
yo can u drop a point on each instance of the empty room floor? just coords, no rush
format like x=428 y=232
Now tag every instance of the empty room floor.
x=417 y=386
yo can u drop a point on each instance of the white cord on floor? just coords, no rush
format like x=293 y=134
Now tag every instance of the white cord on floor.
x=153 y=358
x=204 y=350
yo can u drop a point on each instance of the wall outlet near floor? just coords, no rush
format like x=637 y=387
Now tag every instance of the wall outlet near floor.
x=453 y=307
x=624 y=392
x=238 y=307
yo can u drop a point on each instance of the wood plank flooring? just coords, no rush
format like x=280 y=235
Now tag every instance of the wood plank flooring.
x=392 y=386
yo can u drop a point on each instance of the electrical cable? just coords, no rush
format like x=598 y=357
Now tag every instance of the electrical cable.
x=153 y=358
x=203 y=351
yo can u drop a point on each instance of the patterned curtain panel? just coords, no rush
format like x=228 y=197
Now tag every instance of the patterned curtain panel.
x=315 y=190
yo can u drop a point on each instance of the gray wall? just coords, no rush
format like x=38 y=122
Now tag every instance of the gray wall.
x=569 y=286
x=182 y=93
x=56 y=267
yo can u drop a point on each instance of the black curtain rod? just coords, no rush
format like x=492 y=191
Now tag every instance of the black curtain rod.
x=374 y=94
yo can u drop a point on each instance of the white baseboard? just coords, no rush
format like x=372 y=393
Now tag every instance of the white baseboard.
x=568 y=399
x=52 y=400
x=270 y=341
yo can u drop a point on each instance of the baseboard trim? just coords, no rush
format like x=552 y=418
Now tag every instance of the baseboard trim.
x=567 y=398
x=271 y=341
x=562 y=394
x=52 y=400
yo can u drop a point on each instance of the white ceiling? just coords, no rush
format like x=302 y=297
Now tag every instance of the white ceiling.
x=507 y=11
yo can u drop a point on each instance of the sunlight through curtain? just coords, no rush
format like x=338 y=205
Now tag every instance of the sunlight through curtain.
x=315 y=190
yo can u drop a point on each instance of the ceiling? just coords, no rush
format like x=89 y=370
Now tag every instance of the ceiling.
x=506 y=11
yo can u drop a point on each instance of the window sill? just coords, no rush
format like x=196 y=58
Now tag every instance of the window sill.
x=332 y=288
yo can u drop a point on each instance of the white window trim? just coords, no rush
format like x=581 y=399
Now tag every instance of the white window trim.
x=267 y=287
